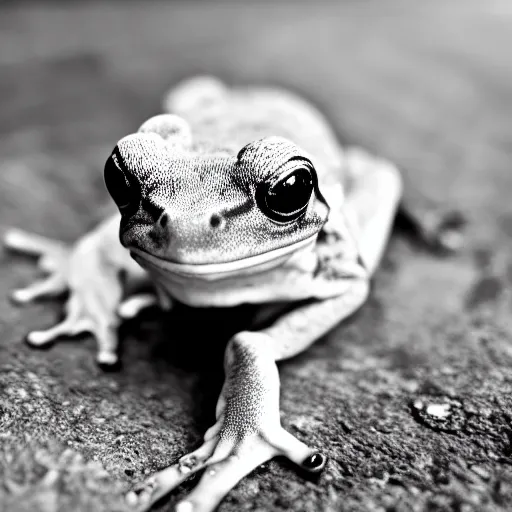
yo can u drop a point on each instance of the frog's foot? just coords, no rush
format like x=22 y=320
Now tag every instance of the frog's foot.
x=444 y=231
x=440 y=231
x=94 y=290
x=247 y=433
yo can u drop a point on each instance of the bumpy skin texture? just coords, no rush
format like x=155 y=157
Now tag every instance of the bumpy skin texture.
x=188 y=190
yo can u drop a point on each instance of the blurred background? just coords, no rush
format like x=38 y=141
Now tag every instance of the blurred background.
x=404 y=79
x=428 y=85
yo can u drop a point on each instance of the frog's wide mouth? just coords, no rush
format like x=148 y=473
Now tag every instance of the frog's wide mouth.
x=251 y=264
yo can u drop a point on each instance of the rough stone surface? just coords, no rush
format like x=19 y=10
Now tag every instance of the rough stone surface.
x=426 y=85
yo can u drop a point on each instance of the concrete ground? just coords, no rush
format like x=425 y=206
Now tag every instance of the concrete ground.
x=411 y=398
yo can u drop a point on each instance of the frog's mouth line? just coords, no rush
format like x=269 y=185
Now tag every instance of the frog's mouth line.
x=210 y=271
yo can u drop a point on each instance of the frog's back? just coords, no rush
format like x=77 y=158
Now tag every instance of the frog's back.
x=226 y=119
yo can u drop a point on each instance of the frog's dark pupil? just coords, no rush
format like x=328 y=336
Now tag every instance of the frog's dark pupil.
x=290 y=195
x=117 y=185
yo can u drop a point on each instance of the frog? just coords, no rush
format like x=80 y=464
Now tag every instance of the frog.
x=233 y=195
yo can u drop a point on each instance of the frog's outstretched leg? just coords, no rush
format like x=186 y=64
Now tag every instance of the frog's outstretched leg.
x=91 y=271
x=248 y=430
x=247 y=433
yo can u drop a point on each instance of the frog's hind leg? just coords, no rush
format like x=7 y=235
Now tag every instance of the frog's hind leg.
x=371 y=202
x=376 y=187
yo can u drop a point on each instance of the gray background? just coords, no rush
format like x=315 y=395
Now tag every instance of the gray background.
x=426 y=85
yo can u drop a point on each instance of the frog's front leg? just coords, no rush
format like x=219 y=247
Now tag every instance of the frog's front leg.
x=248 y=430
x=93 y=270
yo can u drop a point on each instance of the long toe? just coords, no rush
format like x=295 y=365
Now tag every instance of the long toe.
x=52 y=286
x=163 y=482
x=30 y=243
x=221 y=477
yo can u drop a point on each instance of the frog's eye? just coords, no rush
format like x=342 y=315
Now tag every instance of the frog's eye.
x=285 y=198
x=122 y=191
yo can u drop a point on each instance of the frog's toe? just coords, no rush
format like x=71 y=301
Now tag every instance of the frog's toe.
x=45 y=338
x=222 y=476
x=133 y=305
x=52 y=286
x=107 y=357
x=108 y=360
x=108 y=342
x=52 y=256
x=84 y=314
x=30 y=243
x=142 y=497
x=232 y=461
x=449 y=233
x=300 y=453
x=68 y=327
x=225 y=462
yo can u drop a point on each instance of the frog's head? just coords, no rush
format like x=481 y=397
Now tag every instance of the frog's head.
x=200 y=213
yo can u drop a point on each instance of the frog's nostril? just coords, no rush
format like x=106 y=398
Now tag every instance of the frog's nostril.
x=163 y=220
x=216 y=221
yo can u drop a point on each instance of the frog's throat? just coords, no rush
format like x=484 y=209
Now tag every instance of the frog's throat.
x=212 y=271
